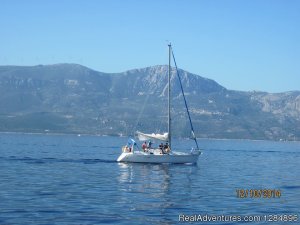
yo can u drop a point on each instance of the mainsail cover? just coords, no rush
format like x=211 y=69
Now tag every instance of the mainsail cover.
x=145 y=137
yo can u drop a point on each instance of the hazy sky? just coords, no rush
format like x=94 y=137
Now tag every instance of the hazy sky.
x=242 y=44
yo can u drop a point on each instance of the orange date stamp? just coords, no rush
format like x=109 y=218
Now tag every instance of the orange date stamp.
x=258 y=193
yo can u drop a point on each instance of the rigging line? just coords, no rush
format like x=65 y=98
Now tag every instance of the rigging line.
x=187 y=109
x=142 y=109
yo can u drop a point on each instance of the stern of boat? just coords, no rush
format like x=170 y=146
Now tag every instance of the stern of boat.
x=195 y=152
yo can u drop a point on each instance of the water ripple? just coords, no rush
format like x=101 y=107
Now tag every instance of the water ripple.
x=71 y=180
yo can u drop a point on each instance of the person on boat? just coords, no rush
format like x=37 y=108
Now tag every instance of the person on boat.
x=166 y=148
x=161 y=146
x=125 y=148
x=166 y=145
x=144 y=146
x=149 y=144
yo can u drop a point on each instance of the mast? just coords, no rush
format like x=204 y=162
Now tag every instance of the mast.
x=169 y=97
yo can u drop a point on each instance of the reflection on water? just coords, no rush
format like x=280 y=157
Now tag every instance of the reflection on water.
x=155 y=188
x=155 y=177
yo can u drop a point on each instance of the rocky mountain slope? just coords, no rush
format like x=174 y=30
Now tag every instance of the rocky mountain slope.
x=70 y=98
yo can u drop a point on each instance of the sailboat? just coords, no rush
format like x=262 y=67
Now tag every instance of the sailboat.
x=164 y=153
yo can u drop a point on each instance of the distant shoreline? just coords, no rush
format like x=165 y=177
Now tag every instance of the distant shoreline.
x=104 y=135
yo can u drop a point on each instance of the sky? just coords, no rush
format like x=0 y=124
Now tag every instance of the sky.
x=243 y=45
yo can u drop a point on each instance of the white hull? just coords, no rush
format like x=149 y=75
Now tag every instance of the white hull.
x=174 y=157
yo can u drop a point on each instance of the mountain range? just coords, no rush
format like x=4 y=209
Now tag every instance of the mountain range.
x=70 y=98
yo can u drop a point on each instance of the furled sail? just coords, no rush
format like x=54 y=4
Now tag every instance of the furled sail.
x=145 y=137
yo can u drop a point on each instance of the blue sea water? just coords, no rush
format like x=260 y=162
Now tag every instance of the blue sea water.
x=66 y=179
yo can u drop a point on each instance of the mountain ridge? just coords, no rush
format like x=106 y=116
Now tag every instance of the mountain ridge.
x=71 y=98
